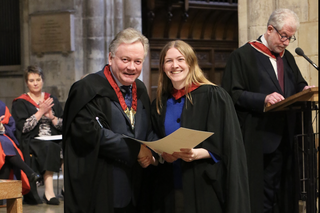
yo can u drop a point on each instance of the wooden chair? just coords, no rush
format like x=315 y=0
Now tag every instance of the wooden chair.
x=11 y=191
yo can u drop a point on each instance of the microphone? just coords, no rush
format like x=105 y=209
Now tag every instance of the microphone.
x=300 y=52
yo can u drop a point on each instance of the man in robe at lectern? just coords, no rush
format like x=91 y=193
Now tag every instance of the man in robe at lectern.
x=259 y=73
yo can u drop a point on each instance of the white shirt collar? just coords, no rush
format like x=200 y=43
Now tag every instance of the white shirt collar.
x=264 y=41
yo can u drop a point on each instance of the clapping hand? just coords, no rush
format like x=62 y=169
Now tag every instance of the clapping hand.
x=49 y=114
x=46 y=105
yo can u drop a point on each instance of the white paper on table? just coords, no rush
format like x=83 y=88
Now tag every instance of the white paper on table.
x=49 y=138
x=181 y=138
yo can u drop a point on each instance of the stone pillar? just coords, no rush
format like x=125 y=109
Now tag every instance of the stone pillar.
x=79 y=37
x=114 y=21
x=132 y=11
x=118 y=15
x=110 y=24
x=95 y=26
x=122 y=14
x=253 y=18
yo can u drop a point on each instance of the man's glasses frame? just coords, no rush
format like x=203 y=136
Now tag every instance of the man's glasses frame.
x=284 y=38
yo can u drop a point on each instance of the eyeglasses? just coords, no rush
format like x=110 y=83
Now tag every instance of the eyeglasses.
x=284 y=38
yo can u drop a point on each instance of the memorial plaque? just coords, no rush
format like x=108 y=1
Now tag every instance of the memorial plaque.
x=52 y=33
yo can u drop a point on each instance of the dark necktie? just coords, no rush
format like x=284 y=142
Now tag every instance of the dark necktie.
x=280 y=70
x=127 y=95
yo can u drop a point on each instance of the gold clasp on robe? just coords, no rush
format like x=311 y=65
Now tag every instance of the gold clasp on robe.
x=131 y=115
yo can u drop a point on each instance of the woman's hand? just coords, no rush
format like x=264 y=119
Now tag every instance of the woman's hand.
x=44 y=107
x=189 y=155
x=49 y=114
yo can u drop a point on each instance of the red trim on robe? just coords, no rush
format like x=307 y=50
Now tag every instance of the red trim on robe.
x=116 y=88
x=7 y=116
x=263 y=49
x=179 y=93
x=27 y=98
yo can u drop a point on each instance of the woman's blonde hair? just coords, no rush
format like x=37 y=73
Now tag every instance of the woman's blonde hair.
x=194 y=76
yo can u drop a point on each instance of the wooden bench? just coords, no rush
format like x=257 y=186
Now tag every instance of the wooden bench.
x=11 y=191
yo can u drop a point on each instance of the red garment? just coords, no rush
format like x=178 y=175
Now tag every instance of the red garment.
x=181 y=92
x=263 y=49
x=114 y=85
x=24 y=179
x=27 y=98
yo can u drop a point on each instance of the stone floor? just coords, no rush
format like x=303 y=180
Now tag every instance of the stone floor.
x=44 y=208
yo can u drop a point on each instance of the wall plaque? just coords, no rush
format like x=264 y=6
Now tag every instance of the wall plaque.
x=52 y=32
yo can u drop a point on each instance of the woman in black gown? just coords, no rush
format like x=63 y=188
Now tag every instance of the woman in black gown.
x=38 y=113
x=212 y=177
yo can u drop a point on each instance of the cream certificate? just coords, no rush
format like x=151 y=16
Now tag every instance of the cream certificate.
x=181 y=138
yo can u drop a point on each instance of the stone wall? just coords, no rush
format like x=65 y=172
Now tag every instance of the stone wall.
x=95 y=23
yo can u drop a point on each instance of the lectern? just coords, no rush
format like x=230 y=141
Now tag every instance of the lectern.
x=305 y=103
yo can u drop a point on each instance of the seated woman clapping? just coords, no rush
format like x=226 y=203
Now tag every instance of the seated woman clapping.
x=38 y=113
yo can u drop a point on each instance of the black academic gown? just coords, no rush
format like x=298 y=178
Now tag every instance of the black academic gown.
x=208 y=187
x=101 y=168
x=21 y=111
x=249 y=77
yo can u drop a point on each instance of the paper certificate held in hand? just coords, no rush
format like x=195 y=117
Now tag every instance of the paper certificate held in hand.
x=181 y=138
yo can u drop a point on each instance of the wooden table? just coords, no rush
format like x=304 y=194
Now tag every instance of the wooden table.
x=11 y=191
